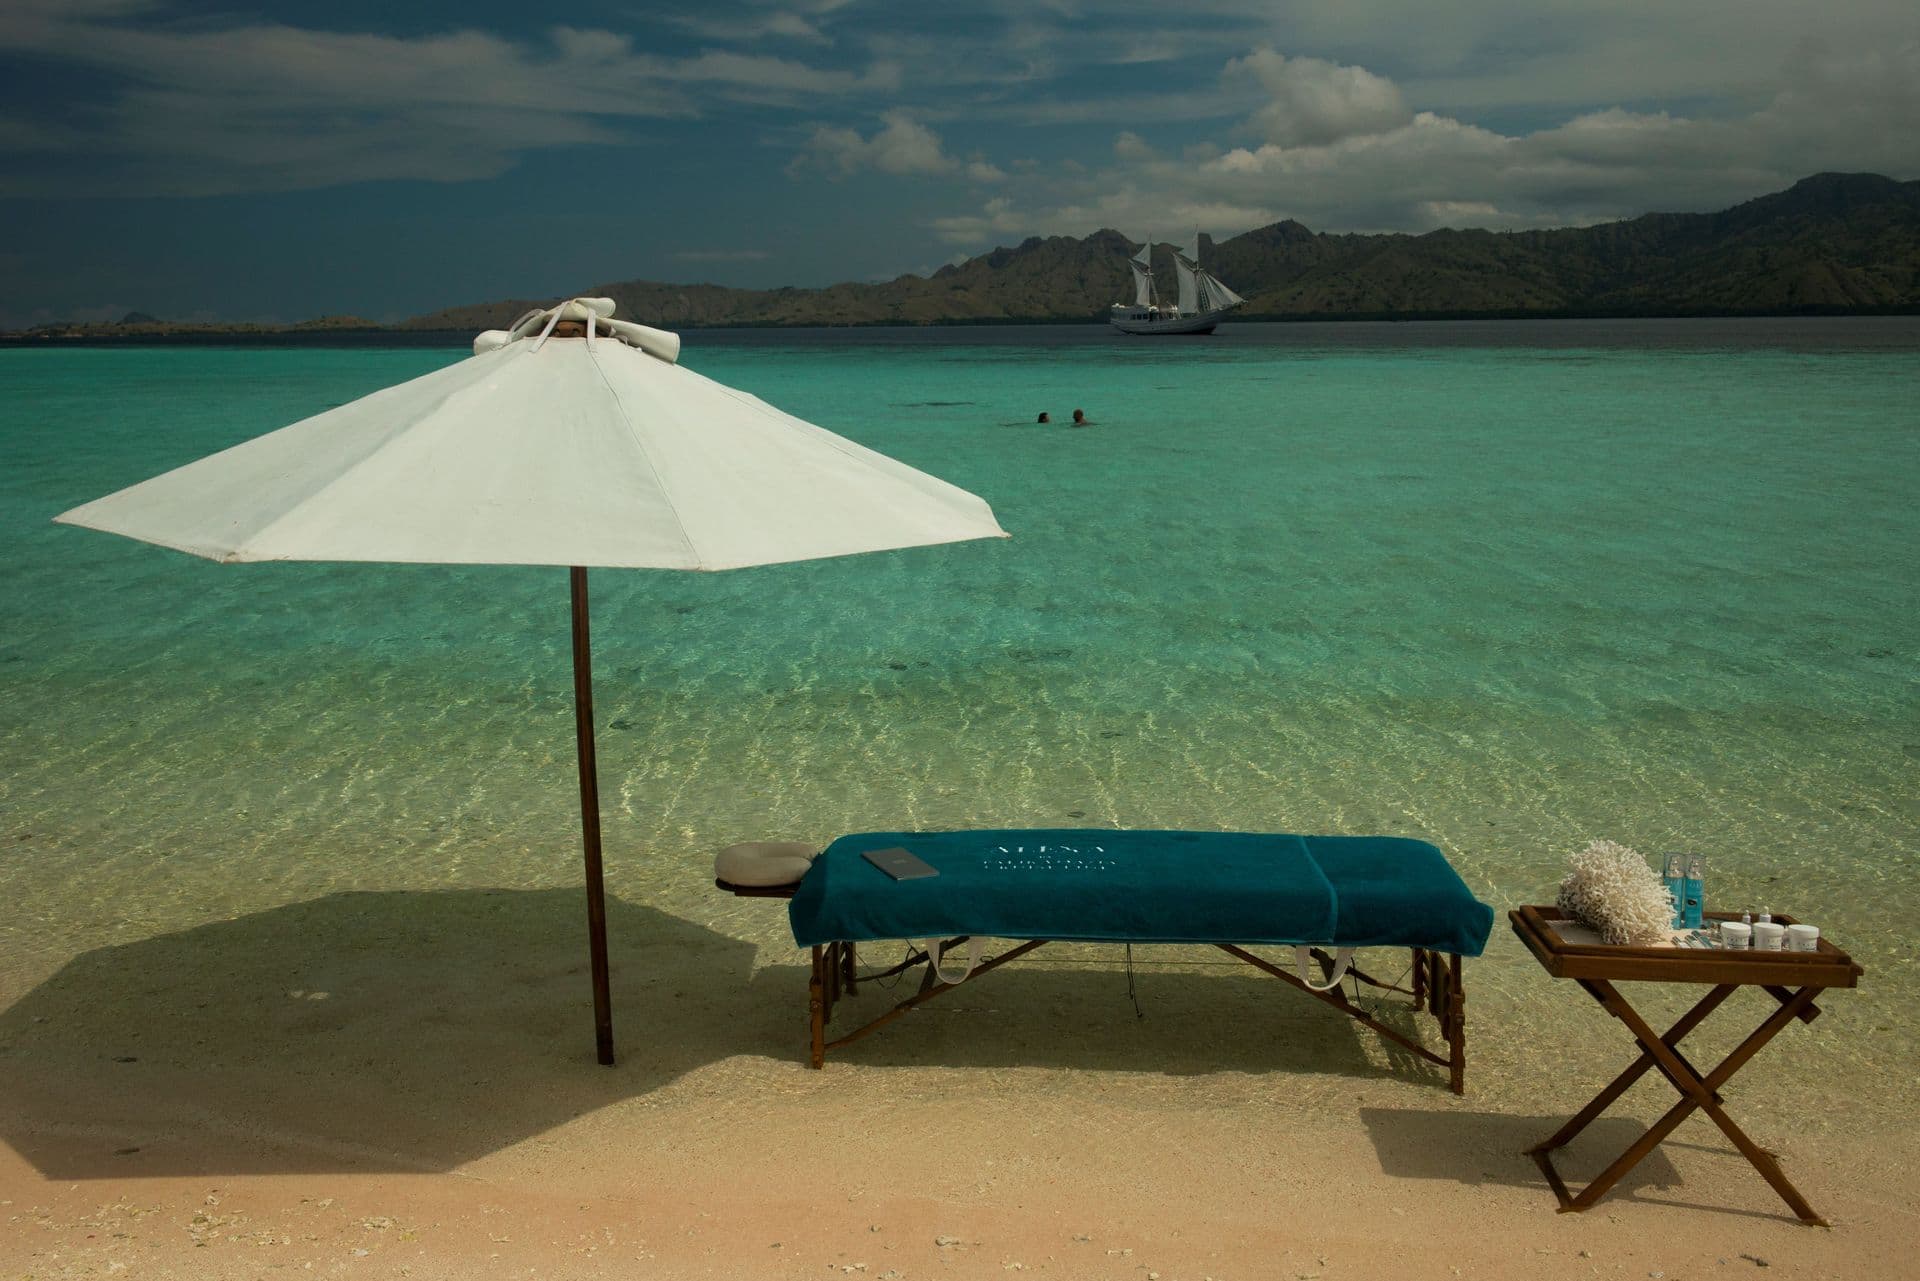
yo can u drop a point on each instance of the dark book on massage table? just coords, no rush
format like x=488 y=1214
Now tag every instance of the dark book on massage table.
x=901 y=864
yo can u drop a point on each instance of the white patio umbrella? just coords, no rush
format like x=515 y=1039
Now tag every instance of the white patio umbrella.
x=572 y=439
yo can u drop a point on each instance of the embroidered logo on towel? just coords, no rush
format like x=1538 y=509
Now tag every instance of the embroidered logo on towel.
x=1050 y=858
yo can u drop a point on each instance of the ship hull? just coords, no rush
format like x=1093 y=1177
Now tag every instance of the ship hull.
x=1164 y=324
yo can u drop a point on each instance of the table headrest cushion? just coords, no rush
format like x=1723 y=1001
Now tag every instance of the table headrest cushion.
x=761 y=863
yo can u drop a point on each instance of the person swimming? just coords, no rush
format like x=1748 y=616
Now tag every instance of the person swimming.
x=1080 y=418
x=1044 y=417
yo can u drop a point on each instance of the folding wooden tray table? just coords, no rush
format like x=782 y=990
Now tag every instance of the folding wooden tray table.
x=1792 y=979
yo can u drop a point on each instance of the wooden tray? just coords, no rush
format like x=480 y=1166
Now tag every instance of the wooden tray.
x=1828 y=967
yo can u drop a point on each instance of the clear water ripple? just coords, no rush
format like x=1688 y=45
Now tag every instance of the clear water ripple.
x=1507 y=594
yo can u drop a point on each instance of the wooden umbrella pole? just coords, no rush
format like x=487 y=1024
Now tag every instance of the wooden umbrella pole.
x=590 y=819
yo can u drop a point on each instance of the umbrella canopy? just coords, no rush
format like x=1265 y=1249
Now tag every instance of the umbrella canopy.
x=547 y=451
x=572 y=439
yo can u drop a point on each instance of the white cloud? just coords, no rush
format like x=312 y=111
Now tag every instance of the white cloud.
x=1311 y=100
x=901 y=146
x=1341 y=150
x=996 y=217
x=1431 y=215
x=750 y=78
x=781 y=25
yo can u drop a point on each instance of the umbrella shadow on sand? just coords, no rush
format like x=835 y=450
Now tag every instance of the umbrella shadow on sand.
x=417 y=1031
x=363 y=1031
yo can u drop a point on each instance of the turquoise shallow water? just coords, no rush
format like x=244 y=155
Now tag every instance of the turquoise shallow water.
x=1502 y=595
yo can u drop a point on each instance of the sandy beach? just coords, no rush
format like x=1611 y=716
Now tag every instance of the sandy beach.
x=401 y=1084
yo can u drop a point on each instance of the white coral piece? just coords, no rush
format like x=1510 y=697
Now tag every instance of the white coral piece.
x=1612 y=889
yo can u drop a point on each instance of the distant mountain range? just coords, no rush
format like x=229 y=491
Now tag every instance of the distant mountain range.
x=1830 y=243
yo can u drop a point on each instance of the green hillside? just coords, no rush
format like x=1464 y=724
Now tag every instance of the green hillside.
x=1830 y=243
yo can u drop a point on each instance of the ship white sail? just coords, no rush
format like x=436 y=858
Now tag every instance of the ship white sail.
x=1215 y=296
x=1208 y=293
x=1142 y=285
x=1142 y=264
x=1189 y=284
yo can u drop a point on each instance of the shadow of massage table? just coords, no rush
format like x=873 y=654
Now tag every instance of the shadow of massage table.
x=1324 y=896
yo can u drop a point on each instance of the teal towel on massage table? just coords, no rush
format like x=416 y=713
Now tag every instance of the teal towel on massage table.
x=1090 y=885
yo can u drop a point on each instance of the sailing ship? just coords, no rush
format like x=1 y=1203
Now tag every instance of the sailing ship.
x=1201 y=302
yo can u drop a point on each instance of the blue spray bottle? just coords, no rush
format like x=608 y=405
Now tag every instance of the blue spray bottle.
x=1696 y=892
x=1676 y=879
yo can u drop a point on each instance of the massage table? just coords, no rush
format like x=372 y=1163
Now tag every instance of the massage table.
x=1321 y=896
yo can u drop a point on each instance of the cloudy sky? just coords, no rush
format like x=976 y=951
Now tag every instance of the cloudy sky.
x=281 y=161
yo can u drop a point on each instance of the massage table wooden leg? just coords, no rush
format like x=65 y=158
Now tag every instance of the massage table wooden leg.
x=817 y=1008
x=1454 y=1024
